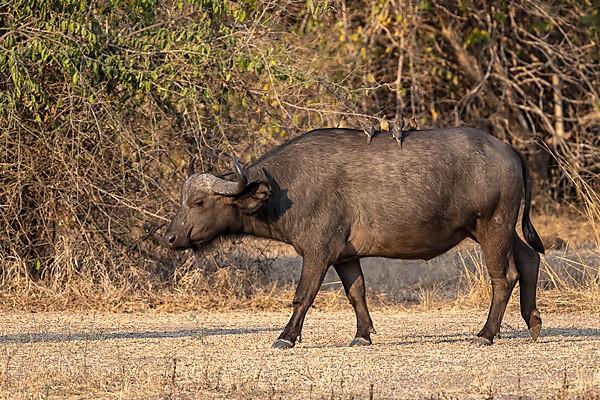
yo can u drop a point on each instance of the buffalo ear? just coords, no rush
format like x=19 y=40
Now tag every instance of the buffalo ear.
x=254 y=197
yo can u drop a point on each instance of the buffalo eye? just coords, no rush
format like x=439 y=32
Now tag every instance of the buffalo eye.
x=199 y=203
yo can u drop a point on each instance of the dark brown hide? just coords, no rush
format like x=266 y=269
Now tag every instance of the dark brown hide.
x=336 y=199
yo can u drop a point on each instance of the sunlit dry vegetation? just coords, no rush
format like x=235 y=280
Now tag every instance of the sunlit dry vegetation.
x=102 y=103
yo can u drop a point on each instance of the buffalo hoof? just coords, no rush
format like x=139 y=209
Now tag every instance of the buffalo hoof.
x=282 y=344
x=535 y=325
x=481 y=341
x=358 y=341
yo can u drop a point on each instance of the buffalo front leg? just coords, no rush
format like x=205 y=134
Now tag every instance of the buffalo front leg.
x=353 y=280
x=311 y=278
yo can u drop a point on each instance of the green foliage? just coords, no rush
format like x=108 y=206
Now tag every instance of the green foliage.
x=125 y=48
x=592 y=19
x=477 y=37
x=425 y=5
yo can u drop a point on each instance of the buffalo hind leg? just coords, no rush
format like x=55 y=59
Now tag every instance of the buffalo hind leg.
x=497 y=249
x=311 y=279
x=353 y=280
x=528 y=264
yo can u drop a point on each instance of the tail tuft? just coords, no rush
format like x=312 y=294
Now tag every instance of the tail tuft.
x=532 y=237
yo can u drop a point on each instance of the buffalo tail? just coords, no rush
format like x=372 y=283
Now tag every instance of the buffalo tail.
x=529 y=232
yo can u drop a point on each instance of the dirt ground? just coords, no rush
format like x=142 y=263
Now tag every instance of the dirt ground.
x=425 y=354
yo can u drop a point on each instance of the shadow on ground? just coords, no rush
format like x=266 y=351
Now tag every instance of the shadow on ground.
x=548 y=335
x=36 y=337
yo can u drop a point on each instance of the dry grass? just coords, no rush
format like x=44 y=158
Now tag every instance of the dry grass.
x=567 y=283
x=586 y=192
x=560 y=289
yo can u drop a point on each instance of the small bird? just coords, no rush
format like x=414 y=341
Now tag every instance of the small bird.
x=342 y=123
x=412 y=125
x=370 y=133
x=384 y=125
x=398 y=134
x=398 y=131
x=402 y=123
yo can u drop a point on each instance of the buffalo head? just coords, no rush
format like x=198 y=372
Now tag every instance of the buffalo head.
x=211 y=206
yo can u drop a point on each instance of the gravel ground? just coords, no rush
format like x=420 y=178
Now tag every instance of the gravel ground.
x=227 y=355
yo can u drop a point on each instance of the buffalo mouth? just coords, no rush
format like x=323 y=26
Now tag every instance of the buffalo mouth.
x=198 y=246
x=190 y=245
x=187 y=241
x=201 y=243
x=177 y=242
x=181 y=245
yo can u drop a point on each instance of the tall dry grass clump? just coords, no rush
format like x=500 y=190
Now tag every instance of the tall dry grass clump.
x=586 y=186
x=565 y=283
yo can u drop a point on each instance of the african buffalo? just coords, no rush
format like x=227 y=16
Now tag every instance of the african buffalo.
x=337 y=199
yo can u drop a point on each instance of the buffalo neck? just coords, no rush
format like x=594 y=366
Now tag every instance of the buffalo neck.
x=272 y=220
x=259 y=225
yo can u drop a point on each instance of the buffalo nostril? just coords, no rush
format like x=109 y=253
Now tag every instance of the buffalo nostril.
x=171 y=238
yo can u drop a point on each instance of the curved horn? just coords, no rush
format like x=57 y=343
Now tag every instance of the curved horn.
x=223 y=186
x=190 y=168
x=241 y=171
